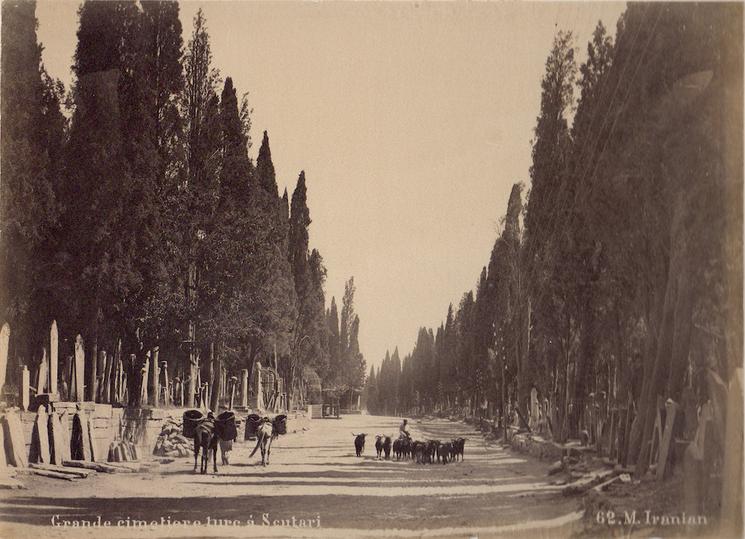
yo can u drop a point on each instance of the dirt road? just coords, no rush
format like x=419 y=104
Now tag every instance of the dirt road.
x=315 y=486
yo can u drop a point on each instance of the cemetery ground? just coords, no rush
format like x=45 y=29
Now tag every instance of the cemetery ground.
x=314 y=487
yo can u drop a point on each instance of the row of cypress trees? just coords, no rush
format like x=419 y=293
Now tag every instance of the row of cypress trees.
x=620 y=278
x=142 y=220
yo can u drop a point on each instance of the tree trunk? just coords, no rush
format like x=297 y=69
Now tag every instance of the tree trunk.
x=93 y=380
x=215 y=379
x=681 y=337
x=654 y=383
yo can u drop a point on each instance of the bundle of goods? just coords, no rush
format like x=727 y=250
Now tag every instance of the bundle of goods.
x=280 y=423
x=252 y=424
x=192 y=418
x=172 y=442
x=225 y=426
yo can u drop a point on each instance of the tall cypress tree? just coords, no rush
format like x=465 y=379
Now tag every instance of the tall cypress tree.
x=334 y=340
x=299 y=223
x=31 y=128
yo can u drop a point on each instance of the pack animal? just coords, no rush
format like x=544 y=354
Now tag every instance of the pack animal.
x=206 y=439
x=265 y=435
x=359 y=443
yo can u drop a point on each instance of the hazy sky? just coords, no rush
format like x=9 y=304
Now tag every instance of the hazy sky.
x=411 y=121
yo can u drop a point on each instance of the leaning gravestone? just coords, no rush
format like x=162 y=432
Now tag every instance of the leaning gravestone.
x=15 y=445
x=62 y=422
x=40 y=438
x=92 y=442
x=56 y=440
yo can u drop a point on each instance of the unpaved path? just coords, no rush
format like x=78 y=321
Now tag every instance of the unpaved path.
x=315 y=478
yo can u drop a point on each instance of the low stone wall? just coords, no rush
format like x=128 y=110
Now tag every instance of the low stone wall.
x=140 y=425
x=536 y=446
x=106 y=423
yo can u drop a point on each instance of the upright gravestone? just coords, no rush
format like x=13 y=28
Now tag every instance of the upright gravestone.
x=259 y=391
x=25 y=387
x=143 y=378
x=534 y=407
x=40 y=438
x=79 y=369
x=154 y=377
x=244 y=388
x=4 y=342
x=166 y=384
x=53 y=357
x=41 y=381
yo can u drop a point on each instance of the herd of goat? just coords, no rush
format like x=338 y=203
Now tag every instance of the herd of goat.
x=421 y=452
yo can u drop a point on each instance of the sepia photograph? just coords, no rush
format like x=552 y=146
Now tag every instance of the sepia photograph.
x=376 y=269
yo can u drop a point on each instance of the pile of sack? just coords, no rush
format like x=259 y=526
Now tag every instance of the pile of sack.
x=171 y=442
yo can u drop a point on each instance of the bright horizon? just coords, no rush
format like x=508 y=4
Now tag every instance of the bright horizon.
x=412 y=122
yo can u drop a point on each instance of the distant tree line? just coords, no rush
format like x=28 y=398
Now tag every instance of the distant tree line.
x=620 y=276
x=141 y=221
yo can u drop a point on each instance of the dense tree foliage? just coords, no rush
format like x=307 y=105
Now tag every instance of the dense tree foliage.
x=619 y=281
x=144 y=225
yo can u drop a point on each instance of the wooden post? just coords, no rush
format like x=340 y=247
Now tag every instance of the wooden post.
x=53 y=357
x=244 y=388
x=4 y=342
x=79 y=369
x=25 y=387
x=155 y=373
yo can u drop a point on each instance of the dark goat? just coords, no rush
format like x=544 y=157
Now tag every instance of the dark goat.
x=458 y=447
x=359 y=443
x=379 y=445
x=417 y=451
x=387 y=447
x=446 y=452
x=431 y=451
